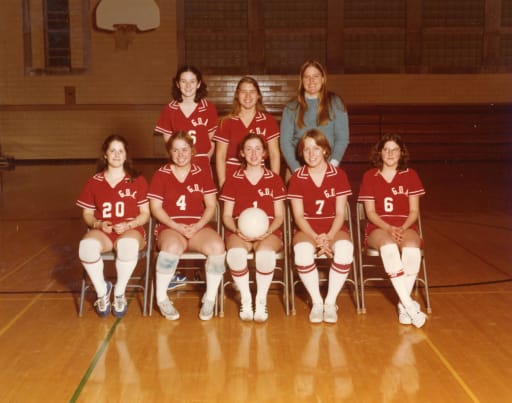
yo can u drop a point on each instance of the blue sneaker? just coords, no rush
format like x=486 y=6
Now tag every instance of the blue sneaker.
x=120 y=306
x=102 y=304
x=177 y=282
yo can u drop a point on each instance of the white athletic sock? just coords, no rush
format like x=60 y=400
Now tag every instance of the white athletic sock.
x=336 y=281
x=124 y=272
x=242 y=282
x=212 y=285
x=162 y=283
x=312 y=284
x=263 y=282
x=400 y=286
x=95 y=272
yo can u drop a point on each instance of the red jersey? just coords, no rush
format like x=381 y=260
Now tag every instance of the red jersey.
x=319 y=201
x=391 y=198
x=115 y=204
x=201 y=125
x=244 y=194
x=182 y=201
x=232 y=131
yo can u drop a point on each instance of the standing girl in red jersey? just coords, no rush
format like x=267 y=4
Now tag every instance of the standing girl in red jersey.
x=391 y=195
x=189 y=111
x=253 y=185
x=318 y=192
x=248 y=115
x=183 y=200
x=115 y=208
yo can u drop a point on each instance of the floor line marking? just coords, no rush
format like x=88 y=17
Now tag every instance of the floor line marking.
x=20 y=265
x=452 y=370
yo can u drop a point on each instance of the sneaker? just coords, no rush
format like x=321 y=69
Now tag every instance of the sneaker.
x=260 y=311
x=120 y=306
x=317 y=313
x=403 y=316
x=102 y=304
x=206 y=312
x=177 y=281
x=330 y=315
x=418 y=318
x=168 y=310
x=246 y=313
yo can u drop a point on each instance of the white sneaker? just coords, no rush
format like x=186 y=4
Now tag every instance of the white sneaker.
x=418 y=318
x=168 y=310
x=403 y=316
x=317 y=313
x=206 y=312
x=246 y=313
x=260 y=311
x=120 y=306
x=102 y=304
x=330 y=315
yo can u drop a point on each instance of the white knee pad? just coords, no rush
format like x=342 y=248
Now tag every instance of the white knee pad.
x=265 y=261
x=89 y=250
x=343 y=252
x=127 y=249
x=411 y=260
x=237 y=259
x=304 y=253
x=166 y=263
x=216 y=264
x=390 y=256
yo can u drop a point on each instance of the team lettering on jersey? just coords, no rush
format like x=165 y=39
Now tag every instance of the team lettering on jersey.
x=400 y=191
x=199 y=122
x=266 y=192
x=260 y=132
x=128 y=193
x=194 y=188
x=328 y=193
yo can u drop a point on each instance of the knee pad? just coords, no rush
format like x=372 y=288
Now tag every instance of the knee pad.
x=343 y=252
x=390 y=256
x=127 y=249
x=237 y=259
x=411 y=260
x=216 y=264
x=265 y=261
x=304 y=253
x=89 y=250
x=166 y=263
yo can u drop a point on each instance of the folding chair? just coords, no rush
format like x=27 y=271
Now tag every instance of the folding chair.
x=192 y=262
x=323 y=262
x=140 y=282
x=281 y=267
x=369 y=258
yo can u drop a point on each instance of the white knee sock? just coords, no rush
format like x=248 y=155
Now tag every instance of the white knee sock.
x=311 y=282
x=336 y=281
x=124 y=272
x=95 y=272
x=263 y=281
x=242 y=282
x=212 y=285
x=162 y=283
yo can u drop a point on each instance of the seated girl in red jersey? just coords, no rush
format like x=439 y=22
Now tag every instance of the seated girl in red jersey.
x=248 y=115
x=115 y=208
x=318 y=192
x=253 y=185
x=183 y=200
x=391 y=195
x=190 y=111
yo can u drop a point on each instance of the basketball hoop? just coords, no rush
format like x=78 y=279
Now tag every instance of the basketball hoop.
x=124 y=35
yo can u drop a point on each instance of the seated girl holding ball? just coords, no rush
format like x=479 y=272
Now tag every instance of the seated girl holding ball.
x=318 y=192
x=253 y=185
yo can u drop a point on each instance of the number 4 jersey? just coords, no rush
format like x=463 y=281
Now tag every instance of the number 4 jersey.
x=115 y=204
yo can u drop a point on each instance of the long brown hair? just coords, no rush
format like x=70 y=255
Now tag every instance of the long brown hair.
x=102 y=164
x=241 y=145
x=325 y=98
x=201 y=92
x=319 y=139
x=236 y=107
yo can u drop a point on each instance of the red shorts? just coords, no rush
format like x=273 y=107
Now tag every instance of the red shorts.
x=114 y=236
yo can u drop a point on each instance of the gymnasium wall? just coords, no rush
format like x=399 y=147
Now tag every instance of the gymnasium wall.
x=67 y=116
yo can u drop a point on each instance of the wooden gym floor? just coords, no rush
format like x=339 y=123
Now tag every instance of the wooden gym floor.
x=463 y=354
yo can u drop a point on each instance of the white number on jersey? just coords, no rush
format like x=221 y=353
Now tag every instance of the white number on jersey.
x=181 y=203
x=192 y=133
x=388 y=204
x=320 y=204
x=118 y=210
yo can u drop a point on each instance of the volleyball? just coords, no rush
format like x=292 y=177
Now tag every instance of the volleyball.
x=253 y=222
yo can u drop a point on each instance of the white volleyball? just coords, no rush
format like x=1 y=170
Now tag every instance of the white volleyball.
x=253 y=222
